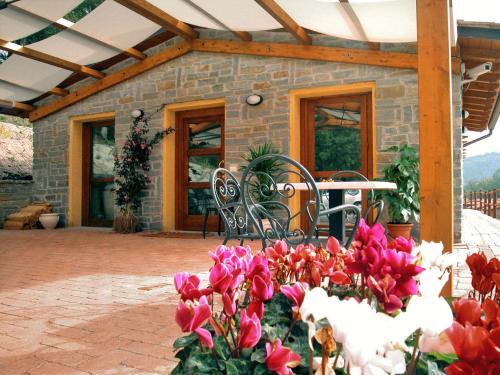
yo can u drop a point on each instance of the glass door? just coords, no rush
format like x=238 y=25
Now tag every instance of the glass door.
x=336 y=136
x=200 y=149
x=98 y=196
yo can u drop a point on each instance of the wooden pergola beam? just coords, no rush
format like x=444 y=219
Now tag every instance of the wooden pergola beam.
x=111 y=80
x=480 y=54
x=279 y=14
x=355 y=24
x=17 y=105
x=160 y=17
x=243 y=35
x=58 y=91
x=320 y=53
x=435 y=124
x=49 y=59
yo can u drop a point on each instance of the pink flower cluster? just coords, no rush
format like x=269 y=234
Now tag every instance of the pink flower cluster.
x=387 y=269
x=244 y=282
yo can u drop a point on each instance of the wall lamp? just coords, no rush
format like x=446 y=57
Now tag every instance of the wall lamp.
x=254 y=99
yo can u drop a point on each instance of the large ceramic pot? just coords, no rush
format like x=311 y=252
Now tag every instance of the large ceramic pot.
x=396 y=230
x=49 y=221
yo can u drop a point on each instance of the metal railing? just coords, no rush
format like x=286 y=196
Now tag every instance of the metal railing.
x=488 y=202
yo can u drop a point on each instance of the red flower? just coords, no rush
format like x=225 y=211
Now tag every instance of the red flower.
x=482 y=272
x=467 y=310
x=279 y=358
x=250 y=330
x=223 y=278
x=191 y=316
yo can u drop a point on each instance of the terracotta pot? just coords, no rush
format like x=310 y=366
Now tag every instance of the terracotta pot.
x=403 y=230
x=49 y=221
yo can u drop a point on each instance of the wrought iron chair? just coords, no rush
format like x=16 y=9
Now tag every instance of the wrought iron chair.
x=267 y=198
x=227 y=196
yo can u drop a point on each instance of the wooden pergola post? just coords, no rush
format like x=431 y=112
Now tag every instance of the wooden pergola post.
x=435 y=123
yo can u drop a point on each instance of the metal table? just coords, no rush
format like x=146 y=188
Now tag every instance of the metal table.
x=336 y=198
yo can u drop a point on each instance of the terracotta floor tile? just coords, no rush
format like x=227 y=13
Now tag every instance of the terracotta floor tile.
x=91 y=302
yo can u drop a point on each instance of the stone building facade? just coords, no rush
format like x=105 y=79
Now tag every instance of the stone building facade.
x=200 y=75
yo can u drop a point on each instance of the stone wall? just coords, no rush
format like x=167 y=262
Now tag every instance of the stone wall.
x=14 y=194
x=199 y=75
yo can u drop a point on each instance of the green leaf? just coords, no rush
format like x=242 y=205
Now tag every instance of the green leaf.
x=433 y=369
x=444 y=357
x=201 y=362
x=258 y=356
x=184 y=341
x=261 y=369
x=231 y=368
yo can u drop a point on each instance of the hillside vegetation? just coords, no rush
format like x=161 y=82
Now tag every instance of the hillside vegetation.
x=482 y=172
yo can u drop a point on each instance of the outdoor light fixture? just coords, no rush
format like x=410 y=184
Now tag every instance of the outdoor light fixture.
x=254 y=99
x=137 y=113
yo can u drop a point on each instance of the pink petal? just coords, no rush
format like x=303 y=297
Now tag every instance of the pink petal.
x=205 y=337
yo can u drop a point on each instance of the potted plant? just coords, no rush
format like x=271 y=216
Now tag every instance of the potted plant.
x=131 y=167
x=403 y=204
x=268 y=167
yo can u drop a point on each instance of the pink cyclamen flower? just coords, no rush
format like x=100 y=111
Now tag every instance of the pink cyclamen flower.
x=384 y=289
x=262 y=288
x=280 y=358
x=190 y=316
x=187 y=286
x=295 y=294
x=221 y=277
x=402 y=244
x=250 y=330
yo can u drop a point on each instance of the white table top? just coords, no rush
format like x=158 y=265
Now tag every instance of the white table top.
x=344 y=185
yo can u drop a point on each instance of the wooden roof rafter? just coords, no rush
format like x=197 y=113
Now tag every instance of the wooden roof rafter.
x=49 y=59
x=243 y=35
x=16 y=105
x=355 y=24
x=160 y=17
x=63 y=24
x=279 y=14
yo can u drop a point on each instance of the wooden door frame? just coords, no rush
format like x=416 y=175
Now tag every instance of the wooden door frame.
x=181 y=156
x=86 y=173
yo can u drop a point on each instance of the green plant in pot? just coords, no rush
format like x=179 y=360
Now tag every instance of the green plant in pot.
x=268 y=167
x=403 y=204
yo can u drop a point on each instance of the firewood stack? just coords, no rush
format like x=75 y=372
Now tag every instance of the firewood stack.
x=27 y=217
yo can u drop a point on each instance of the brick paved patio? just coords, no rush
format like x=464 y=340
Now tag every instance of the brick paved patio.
x=96 y=302
x=80 y=302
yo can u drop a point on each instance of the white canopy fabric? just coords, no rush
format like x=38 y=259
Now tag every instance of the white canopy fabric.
x=111 y=28
x=15 y=24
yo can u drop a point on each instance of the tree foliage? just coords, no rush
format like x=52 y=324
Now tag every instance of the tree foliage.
x=337 y=149
x=486 y=184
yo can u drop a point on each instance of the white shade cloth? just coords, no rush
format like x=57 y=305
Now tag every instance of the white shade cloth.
x=15 y=24
x=36 y=75
x=116 y=25
x=13 y=92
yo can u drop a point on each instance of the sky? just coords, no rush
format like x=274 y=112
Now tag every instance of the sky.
x=483 y=11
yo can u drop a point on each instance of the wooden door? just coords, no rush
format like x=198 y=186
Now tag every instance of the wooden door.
x=200 y=149
x=336 y=135
x=98 y=176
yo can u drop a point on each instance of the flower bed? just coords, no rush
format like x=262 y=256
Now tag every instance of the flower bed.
x=374 y=308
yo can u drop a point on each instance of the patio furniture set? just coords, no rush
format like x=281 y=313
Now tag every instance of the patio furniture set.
x=290 y=205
